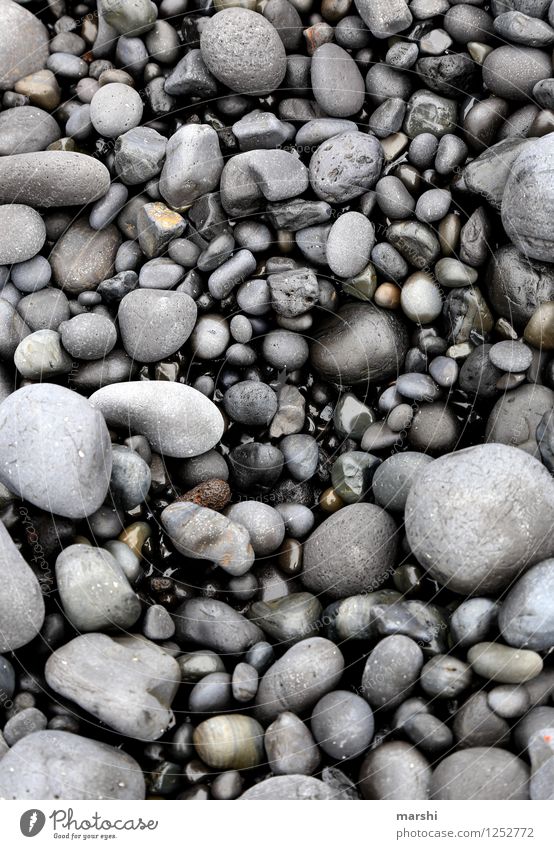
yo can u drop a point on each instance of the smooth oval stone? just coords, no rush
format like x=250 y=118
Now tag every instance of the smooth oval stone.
x=473 y=543
x=529 y=225
x=475 y=724
x=215 y=625
x=115 y=109
x=52 y=178
x=391 y=671
x=342 y=724
x=395 y=771
x=60 y=765
x=346 y=166
x=55 y=450
x=40 y=356
x=264 y=525
x=505 y=664
x=204 y=534
x=291 y=749
x=26 y=129
x=94 y=590
x=82 y=257
x=155 y=323
x=337 y=83
x=250 y=402
x=212 y=693
x=299 y=678
x=176 y=419
x=473 y=621
x=23 y=233
x=21 y=600
x=88 y=336
x=130 y=682
x=445 y=676
x=243 y=51
x=516 y=415
x=526 y=618
x=509 y=701
x=350 y=552
x=481 y=773
x=290 y=787
x=360 y=343
x=230 y=742
x=512 y=71
x=349 y=244
x=23 y=44
x=395 y=476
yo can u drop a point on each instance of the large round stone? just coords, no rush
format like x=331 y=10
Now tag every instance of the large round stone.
x=23 y=44
x=466 y=511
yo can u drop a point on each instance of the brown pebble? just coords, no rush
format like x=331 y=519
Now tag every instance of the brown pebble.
x=289 y=556
x=41 y=88
x=539 y=331
x=135 y=536
x=449 y=234
x=335 y=10
x=214 y=493
x=387 y=295
x=330 y=501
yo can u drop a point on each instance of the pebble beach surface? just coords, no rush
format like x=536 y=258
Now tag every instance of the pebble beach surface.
x=277 y=399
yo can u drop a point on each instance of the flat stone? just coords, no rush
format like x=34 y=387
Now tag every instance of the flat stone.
x=52 y=178
x=154 y=323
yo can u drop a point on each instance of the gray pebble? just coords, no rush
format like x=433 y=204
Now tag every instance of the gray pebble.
x=342 y=724
x=497 y=662
x=215 y=625
x=108 y=208
x=204 y=534
x=82 y=258
x=508 y=701
x=350 y=552
x=21 y=599
x=290 y=787
x=481 y=773
x=417 y=387
x=155 y=323
x=394 y=198
x=516 y=415
x=298 y=519
x=88 y=336
x=113 y=668
x=243 y=51
x=395 y=476
x=176 y=419
x=349 y=244
x=63 y=765
x=433 y=205
x=346 y=166
x=94 y=591
x=244 y=683
x=337 y=83
x=40 y=356
x=52 y=178
x=490 y=473
x=32 y=275
x=23 y=233
x=473 y=621
x=512 y=71
x=284 y=349
x=290 y=747
x=193 y=165
x=299 y=678
x=250 y=402
x=130 y=478
x=445 y=677
x=526 y=619
x=264 y=525
x=292 y=292
x=396 y=771
x=211 y=694
x=23 y=44
x=26 y=129
x=64 y=462
x=391 y=671
x=210 y=337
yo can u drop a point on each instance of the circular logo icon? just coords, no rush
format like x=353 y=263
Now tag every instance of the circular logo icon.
x=32 y=822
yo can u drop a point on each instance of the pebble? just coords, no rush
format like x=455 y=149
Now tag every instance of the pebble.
x=130 y=479
x=473 y=621
x=82 y=257
x=40 y=355
x=508 y=701
x=176 y=419
x=94 y=590
x=361 y=342
x=289 y=787
x=290 y=747
x=158 y=624
x=488 y=473
x=391 y=671
x=264 y=525
x=23 y=231
x=346 y=166
x=88 y=336
x=337 y=84
x=154 y=323
x=250 y=402
x=349 y=244
x=204 y=534
x=61 y=765
x=26 y=129
x=243 y=51
x=350 y=552
x=21 y=601
x=516 y=415
x=289 y=619
x=480 y=773
x=498 y=662
x=394 y=478
x=230 y=742
x=215 y=625
x=342 y=724
x=52 y=178
x=352 y=474
x=525 y=619
x=64 y=461
x=299 y=678
x=23 y=44
x=395 y=770
x=193 y=165
x=114 y=667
